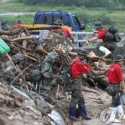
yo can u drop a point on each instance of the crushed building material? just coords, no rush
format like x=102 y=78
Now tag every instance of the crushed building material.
x=26 y=97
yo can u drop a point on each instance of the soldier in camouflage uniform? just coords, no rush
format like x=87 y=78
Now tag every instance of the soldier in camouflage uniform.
x=48 y=76
x=77 y=106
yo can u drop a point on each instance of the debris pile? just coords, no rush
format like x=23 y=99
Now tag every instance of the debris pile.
x=21 y=78
x=15 y=108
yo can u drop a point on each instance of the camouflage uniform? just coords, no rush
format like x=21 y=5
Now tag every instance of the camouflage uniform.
x=47 y=72
x=77 y=96
x=66 y=78
x=77 y=105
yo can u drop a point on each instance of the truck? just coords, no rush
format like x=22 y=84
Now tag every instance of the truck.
x=68 y=19
x=45 y=20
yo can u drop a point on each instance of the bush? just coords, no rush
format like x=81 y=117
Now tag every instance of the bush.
x=64 y=2
x=106 y=20
x=109 y=4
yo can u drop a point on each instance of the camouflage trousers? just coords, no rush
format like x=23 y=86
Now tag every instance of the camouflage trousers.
x=46 y=85
x=77 y=96
x=77 y=106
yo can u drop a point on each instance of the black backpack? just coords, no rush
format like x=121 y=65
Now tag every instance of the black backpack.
x=112 y=35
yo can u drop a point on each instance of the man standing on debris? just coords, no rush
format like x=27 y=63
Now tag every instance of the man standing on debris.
x=112 y=37
x=100 y=37
x=100 y=32
x=47 y=70
x=77 y=106
x=18 y=24
x=66 y=30
x=116 y=86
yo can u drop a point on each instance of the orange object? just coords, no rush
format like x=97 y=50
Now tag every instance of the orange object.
x=67 y=31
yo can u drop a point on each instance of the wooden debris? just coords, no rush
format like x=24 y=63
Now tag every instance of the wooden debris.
x=21 y=39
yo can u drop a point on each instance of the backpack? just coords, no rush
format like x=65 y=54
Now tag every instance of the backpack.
x=112 y=35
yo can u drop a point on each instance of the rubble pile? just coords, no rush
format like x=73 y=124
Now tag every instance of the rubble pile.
x=17 y=109
x=17 y=72
x=25 y=50
x=22 y=104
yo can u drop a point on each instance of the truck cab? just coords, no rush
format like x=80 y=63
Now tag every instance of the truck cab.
x=49 y=17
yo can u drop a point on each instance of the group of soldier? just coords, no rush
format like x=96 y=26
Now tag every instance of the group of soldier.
x=54 y=71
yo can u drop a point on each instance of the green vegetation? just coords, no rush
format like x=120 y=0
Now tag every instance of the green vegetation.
x=13 y=19
x=86 y=14
x=110 y=4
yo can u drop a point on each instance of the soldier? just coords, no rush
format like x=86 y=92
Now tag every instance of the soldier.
x=66 y=30
x=112 y=37
x=115 y=77
x=100 y=39
x=77 y=106
x=48 y=72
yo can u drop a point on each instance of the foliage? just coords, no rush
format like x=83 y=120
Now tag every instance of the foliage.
x=88 y=15
x=64 y=2
x=116 y=4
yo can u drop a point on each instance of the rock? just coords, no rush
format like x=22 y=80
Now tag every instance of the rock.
x=42 y=106
x=119 y=51
x=18 y=57
x=96 y=100
x=8 y=66
x=20 y=93
x=15 y=112
x=39 y=103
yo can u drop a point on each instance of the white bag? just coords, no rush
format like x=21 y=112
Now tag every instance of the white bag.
x=104 y=50
x=57 y=118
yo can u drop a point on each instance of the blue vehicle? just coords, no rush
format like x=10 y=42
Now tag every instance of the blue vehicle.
x=49 y=17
